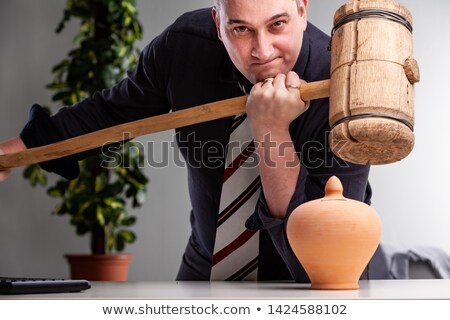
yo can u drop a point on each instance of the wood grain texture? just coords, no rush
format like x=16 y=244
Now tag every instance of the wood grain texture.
x=178 y=119
x=369 y=76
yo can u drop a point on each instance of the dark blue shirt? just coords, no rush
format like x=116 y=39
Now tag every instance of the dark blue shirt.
x=185 y=66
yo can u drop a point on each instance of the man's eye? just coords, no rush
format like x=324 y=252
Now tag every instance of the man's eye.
x=240 y=29
x=279 y=24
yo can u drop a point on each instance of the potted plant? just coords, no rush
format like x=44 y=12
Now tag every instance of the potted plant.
x=96 y=201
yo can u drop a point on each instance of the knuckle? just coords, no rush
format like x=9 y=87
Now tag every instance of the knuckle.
x=280 y=96
x=267 y=94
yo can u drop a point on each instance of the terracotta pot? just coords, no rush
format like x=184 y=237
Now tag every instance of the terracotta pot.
x=334 y=238
x=98 y=267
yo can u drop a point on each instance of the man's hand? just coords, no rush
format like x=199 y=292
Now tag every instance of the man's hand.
x=10 y=146
x=274 y=103
x=5 y=173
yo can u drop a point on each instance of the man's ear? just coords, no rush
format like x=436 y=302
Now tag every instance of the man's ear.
x=215 y=16
x=303 y=11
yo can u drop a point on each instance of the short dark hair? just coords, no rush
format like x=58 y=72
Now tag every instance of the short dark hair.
x=218 y=2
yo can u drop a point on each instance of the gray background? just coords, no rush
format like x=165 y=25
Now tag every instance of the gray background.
x=411 y=196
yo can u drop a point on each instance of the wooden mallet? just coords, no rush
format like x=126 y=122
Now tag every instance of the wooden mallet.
x=371 y=94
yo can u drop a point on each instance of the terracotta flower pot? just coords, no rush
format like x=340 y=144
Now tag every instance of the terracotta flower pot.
x=334 y=238
x=98 y=267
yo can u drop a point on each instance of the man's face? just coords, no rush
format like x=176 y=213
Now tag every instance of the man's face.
x=262 y=37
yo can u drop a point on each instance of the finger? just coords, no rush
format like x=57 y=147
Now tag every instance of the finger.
x=4 y=174
x=279 y=81
x=258 y=87
x=268 y=81
x=293 y=80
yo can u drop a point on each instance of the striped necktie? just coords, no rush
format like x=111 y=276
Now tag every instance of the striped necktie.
x=236 y=248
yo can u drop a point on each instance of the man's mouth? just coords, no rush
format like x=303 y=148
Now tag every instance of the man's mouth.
x=265 y=63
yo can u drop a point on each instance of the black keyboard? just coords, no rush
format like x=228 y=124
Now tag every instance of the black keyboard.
x=37 y=285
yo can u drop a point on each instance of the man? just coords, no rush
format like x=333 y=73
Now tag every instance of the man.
x=260 y=47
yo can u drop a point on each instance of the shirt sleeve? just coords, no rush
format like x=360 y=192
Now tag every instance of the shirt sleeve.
x=141 y=94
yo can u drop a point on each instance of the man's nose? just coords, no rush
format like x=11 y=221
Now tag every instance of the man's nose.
x=262 y=47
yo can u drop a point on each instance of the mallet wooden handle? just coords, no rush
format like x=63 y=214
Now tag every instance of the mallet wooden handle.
x=177 y=119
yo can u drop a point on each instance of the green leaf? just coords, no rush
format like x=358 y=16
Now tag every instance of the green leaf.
x=127 y=236
x=35 y=175
x=61 y=95
x=42 y=178
x=100 y=182
x=122 y=52
x=127 y=21
x=100 y=216
x=54 y=192
x=83 y=207
x=120 y=244
x=114 y=202
x=128 y=221
x=60 y=209
x=129 y=6
x=28 y=171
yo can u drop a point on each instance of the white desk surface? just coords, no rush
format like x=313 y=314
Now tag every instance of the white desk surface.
x=373 y=289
